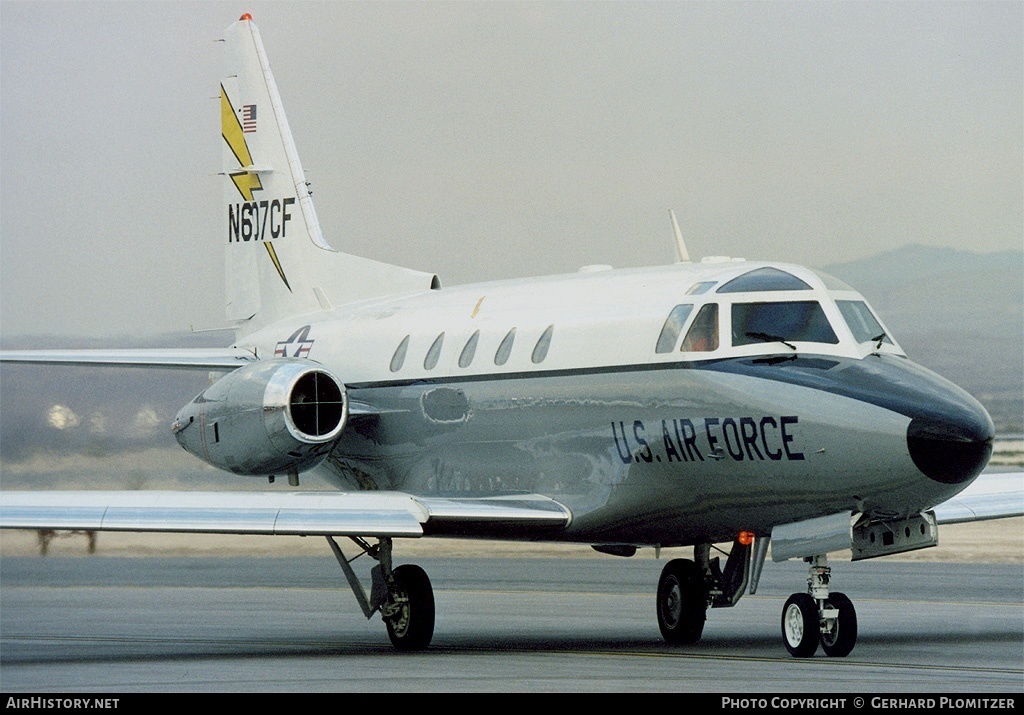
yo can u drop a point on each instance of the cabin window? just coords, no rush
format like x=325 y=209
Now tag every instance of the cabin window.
x=762 y=279
x=673 y=327
x=466 y=356
x=430 y=361
x=398 y=359
x=540 y=350
x=702 y=337
x=802 y=321
x=863 y=324
x=505 y=349
x=702 y=287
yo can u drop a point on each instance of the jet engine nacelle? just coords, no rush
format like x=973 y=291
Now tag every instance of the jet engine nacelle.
x=278 y=416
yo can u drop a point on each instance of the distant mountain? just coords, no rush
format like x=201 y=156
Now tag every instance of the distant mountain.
x=957 y=312
x=915 y=262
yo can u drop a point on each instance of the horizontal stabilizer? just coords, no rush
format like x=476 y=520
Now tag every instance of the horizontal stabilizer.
x=183 y=359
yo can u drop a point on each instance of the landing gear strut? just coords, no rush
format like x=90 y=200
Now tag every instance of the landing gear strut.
x=403 y=595
x=819 y=617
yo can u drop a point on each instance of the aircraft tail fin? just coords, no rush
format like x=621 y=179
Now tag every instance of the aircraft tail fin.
x=278 y=263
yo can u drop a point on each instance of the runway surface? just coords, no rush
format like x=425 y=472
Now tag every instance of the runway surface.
x=101 y=624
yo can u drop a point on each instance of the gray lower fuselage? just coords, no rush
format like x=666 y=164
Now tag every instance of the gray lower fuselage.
x=675 y=453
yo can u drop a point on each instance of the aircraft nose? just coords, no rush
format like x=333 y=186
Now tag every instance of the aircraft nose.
x=951 y=444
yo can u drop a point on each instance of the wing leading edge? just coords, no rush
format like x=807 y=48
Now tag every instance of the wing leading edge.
x=393 y=514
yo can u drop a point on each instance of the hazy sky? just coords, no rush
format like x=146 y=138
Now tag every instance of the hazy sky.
x=484 y=140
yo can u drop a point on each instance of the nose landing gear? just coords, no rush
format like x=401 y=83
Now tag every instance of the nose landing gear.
x=819 y=617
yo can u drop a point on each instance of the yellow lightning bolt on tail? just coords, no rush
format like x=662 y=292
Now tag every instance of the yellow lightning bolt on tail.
x=277 y=264
x=231 y=129
x=245 y=182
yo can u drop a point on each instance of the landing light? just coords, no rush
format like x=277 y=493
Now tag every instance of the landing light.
x=746 y=538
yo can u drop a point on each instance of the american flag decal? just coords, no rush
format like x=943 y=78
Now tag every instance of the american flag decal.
x=248 y=118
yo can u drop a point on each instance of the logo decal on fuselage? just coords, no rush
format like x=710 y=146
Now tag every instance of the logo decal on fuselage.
x=253 y=220
x=297 y=345
x=750 y=438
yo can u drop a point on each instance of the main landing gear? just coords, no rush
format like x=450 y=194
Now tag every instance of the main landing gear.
x=403 y=595
x=819 y=617
x=688 y=588
x=682 y=602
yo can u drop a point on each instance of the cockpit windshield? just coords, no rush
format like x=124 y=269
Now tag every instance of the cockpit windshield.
x=768 y=309
x=784 y=322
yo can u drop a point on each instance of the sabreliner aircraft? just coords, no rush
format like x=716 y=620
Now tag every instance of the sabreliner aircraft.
x=683 y=405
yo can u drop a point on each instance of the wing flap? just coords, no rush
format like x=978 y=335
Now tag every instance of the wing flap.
x=495 y=515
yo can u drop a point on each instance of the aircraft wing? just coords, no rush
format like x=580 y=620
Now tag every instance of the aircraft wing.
x=991 y=496
x=180 y=359
x=395 y=514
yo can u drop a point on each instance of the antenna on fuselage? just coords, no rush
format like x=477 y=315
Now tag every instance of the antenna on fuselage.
x=684 y=256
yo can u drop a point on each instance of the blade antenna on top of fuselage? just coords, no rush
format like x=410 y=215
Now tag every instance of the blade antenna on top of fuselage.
x=684 y=255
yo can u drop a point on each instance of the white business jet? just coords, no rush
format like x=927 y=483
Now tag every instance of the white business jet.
x=700 y=403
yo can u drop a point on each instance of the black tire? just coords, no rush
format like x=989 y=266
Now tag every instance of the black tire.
x=412 y=627
x=839 y=640
x=800 y=632
x=682 y=602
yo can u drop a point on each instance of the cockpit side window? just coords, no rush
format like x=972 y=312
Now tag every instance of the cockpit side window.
x=702 y=287
x=703 y=334
x=672 y=327
x=802 y=321
x=863 y=324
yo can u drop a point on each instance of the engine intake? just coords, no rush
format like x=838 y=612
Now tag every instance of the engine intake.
x=277 y=416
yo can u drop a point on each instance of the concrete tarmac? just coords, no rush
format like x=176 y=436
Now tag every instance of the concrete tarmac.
x=122 y=625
